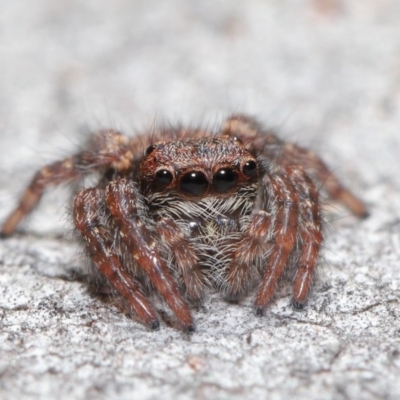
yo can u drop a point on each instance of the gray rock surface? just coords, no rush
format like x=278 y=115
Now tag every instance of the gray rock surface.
x=324 y=73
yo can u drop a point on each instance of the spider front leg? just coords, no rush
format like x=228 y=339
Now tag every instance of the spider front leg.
x=184 y=257
x=106 y=149
x=270 y=238
x=254 y=244
x=310 y=235
x=89 y=216
x=122 y=198
x=50 y=175
x=296 y=223
x=283 y=201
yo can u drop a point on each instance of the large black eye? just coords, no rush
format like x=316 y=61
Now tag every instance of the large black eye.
x=224 y=180
x=194 y=183
x=250 y=168
x=163 y=177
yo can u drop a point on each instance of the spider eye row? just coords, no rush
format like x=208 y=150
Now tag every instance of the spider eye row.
x=195 y=183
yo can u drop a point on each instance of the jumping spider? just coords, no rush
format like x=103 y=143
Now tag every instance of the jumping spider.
x=179 y=211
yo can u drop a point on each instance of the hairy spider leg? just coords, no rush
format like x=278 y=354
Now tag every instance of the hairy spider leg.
x=121 y=198
x=285 y=217
x=310 y=235
x=89 y=210
x=283 y=154
x=185 y=258
x=254 y=244
x=315 y=167
x=105 y=149
x=50 y=175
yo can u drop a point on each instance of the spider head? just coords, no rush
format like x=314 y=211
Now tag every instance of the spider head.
x=197 y=168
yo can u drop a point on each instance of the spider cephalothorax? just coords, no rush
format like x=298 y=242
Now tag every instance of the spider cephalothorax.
x=182 y=211
x=197 y=168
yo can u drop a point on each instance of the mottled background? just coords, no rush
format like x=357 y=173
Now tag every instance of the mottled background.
x=323 y=73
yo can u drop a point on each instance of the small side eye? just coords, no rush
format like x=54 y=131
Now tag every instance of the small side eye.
x=164 y=177
x=236 y=139
x=250 y=168
x=150 y=149
x=224 y=180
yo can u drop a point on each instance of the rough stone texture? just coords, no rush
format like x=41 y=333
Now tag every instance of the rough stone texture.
x=325 y=73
